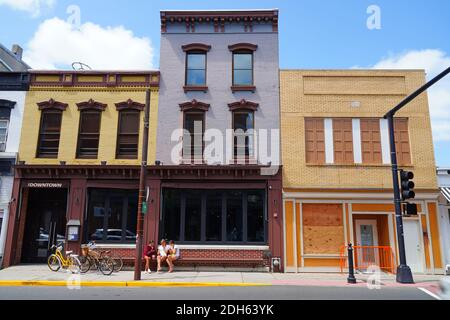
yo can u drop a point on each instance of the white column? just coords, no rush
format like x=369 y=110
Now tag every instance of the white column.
x=385 y=144
x=357 y=152
x=329 y=141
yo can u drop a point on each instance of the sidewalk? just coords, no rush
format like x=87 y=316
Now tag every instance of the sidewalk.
x=40 y=275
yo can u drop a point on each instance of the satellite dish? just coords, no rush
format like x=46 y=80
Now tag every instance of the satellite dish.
x=80 y=66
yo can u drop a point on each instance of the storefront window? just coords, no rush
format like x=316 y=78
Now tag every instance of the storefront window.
x=255 y=216
x=214 y=216
x=193 y=216
x=112 y=215
x=234 y=216
x=171 y=207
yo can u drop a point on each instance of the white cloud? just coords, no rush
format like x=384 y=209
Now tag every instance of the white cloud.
x=33 y=7
x=57 y=43
x=433 y=61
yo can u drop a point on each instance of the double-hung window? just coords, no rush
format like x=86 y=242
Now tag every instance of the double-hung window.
x=194 y=127
x=4 y=123
x=243 y=68
x=89 y=134
x=49 y=134
x=243 y=128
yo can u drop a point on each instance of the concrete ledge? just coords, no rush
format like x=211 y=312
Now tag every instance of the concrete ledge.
x=30 y=283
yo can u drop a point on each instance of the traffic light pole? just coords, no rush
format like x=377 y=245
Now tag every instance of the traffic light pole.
x=140 y=216
x=404 y=274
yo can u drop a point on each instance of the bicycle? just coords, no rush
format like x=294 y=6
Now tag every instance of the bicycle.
x=118 y=262
x=98 y=260
x=56 y=260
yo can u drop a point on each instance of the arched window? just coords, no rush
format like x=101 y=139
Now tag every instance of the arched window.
x=196 y=57
x=89 y=129
x=243 y=75
x=50 y=128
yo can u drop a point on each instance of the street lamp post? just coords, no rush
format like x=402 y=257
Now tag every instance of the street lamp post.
x=142 y=193
x=404 y=274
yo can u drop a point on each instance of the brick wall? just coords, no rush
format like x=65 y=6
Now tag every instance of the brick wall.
x=208 y=257
x=329 y=94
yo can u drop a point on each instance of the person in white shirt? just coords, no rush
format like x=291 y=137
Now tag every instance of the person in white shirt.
x=173 y=255
x=163 y=250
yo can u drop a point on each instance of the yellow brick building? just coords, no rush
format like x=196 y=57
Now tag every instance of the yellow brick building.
x=123 y=86
x=337 y=180
x=80 y=152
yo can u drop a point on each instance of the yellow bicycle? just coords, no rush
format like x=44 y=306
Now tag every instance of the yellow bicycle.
x=57 y=260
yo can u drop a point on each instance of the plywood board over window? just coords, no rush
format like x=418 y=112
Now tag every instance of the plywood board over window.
x=371 y=141
x=402 y=141
x=323 y=228
x=315 y=140
x=343 y=141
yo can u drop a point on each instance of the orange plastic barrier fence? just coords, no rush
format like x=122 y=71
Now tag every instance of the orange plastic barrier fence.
x=366 y=257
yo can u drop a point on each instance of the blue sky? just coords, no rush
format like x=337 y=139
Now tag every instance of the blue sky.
x=313 y=34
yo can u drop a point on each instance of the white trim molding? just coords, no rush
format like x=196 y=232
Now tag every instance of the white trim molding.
x=329 y=141
x=385 y=144
x=357 y=149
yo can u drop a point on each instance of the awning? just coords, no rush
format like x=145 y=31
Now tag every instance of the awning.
x=446 y=192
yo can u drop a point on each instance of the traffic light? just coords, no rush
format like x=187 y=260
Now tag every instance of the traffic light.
x=407 y=185
x=410 y=209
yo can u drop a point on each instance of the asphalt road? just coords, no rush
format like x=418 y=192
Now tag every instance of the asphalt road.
x=213 y=293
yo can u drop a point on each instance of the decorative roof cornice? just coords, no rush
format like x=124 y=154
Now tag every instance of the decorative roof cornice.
x=130 y=105
x=243 y=105
x=52 y=104
x=95 y=79
x=14 y=81
x=91 y=104
x=243 y=46
x=219 y=18
x=7 y=104
x=194 y=105
x=196 y=47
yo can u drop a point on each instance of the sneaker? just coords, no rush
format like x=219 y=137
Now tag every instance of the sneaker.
x=149 y=271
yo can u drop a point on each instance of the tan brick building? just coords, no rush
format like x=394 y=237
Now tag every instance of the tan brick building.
x=337 y=178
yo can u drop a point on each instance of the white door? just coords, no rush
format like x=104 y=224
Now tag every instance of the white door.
x=367 y=237
x=413 y=245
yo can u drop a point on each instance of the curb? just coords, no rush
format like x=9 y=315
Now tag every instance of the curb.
x=135 y=284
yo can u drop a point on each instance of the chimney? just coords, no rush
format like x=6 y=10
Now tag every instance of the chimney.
x=17 y=50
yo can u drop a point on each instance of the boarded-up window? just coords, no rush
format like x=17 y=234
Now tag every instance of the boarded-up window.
x=343 y=141
x=323 y=228
x=315 y=141
x=402 y=141
x=371 y=141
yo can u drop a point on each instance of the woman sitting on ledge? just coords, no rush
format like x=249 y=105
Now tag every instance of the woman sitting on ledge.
x=173 y=255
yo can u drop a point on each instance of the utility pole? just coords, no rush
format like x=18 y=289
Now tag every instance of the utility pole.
x=142 y=193
x=404 y=274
